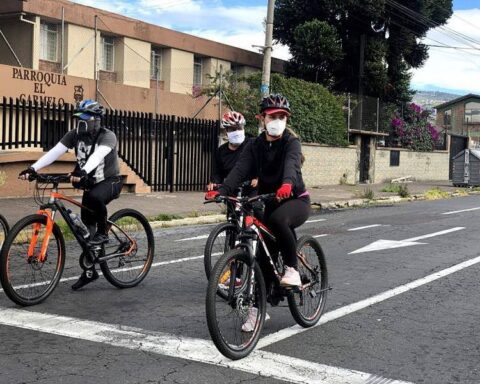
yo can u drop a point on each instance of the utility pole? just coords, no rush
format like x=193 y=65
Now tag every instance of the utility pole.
x=267 y=50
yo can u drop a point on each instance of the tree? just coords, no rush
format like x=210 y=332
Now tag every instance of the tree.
x=392 y=29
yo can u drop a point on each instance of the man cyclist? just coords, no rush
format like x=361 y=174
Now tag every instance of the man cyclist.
x=96 y=172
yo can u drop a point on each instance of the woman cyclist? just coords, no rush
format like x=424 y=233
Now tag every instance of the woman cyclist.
x=276 y=157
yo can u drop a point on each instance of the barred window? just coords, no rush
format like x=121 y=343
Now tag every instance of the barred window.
x=156 y=64
x=49 y=41
x=108 y=54
x=197 y=71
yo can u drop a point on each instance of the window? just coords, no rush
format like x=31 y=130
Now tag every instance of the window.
x=49 y=41
x=447 y=117
x=108 y=53
x=472 y=112
x=156 y=64
x=394 y=158
x=197 y=71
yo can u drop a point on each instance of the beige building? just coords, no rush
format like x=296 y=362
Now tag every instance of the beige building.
x=59 y=51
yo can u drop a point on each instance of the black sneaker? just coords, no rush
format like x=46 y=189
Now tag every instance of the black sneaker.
x=86 y=277
x=99 y=239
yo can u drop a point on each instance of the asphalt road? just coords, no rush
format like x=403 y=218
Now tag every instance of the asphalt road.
x=405 y=313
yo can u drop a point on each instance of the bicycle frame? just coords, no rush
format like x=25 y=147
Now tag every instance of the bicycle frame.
x=49 y=211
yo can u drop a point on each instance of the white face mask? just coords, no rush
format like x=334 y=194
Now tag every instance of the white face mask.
x=236 y=137
x=276 y=127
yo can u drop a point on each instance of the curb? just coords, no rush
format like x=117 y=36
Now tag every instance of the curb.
x=340 y=204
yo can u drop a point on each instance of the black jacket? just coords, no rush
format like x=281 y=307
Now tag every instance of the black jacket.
x=224 y=160
x=274 y=162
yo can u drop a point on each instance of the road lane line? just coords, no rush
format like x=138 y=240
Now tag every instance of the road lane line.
x=315 y=221
x=66 y=279
x=260 y=363
x=462 y=210
x=365 y=227
x=199 y=237
x=322 y=235
x=354 y=307
x=444 y=232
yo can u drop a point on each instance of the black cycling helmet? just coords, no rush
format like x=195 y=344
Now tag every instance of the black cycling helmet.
x=88 y=108
x=275 y=103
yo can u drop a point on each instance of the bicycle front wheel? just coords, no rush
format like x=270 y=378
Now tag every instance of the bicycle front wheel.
x=235 y=318
x=221 y=239
x=130 y=249
x=25 y=277
x=307 y=304
x=4 y=228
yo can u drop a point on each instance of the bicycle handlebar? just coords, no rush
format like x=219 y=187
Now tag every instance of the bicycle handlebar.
x=242 y=200
x=50 y=178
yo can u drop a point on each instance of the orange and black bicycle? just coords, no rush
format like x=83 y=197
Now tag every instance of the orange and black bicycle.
x=32 y=258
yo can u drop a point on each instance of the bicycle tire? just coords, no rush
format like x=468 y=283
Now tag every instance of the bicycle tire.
x=213 y=311
x=208 y=254
x=320 y=293
x=4 y=229
x=114 y=269
x=14 y=242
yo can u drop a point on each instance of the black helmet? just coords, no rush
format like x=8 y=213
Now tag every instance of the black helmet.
x=88 y=108
x=276 y=102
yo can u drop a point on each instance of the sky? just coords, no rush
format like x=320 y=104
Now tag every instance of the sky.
x=240 y=23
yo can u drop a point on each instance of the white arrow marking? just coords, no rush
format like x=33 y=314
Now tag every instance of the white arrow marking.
x=463 y=210
x=389 y=244
x=200 y=237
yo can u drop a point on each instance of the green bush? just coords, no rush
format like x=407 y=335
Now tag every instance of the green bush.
x=317 y=115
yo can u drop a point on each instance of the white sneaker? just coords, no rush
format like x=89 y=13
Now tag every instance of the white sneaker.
x=249 y=324
x=291 y=277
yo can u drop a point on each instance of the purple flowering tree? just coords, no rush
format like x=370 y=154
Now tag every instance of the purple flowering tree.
x=413 y=130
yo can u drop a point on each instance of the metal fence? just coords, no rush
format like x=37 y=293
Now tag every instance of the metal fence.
x=169 y=153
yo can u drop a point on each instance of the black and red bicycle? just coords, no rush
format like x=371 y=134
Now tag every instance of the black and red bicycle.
x=236 y=288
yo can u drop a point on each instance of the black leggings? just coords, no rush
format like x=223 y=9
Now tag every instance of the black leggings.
x=97 y=199
x=282 y=219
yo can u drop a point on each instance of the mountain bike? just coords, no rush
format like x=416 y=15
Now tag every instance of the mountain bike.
x=236 y=287
x=33 y=254
x=224 y=235
x=4 y=228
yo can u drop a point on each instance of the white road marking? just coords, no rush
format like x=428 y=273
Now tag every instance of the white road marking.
x=322 y=235
x=462 y=210
x=195 y=238
x=389 y=244
x=365 y=227
x=359 y=305
x=261 y=363
x=66 y=279
x=315 y=221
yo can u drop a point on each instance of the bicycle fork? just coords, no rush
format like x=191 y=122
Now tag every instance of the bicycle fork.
x=36 y=231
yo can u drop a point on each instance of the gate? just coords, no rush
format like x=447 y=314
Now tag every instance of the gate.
x=169 y=153
x=458 y=143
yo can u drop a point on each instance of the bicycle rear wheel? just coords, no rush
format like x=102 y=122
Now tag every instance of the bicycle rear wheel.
x=221 y=239
x=227 y=313
x=307 y=305
x=4 y=228
x=25 y=279
x=131 y=240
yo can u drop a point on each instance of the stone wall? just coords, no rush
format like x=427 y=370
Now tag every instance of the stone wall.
x=420 y=165
x=328 y=165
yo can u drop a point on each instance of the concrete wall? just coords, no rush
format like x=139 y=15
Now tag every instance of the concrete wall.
x=420 y=165
x=20 y=37
x=136 y=63
x=80 y=51
x=328 y=165
x=178 y=71
x=211 y=66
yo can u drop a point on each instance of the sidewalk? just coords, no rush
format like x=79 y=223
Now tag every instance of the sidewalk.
x=161 y=206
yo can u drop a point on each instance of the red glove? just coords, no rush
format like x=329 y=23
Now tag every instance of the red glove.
x=284 y=192
x=210 y=195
